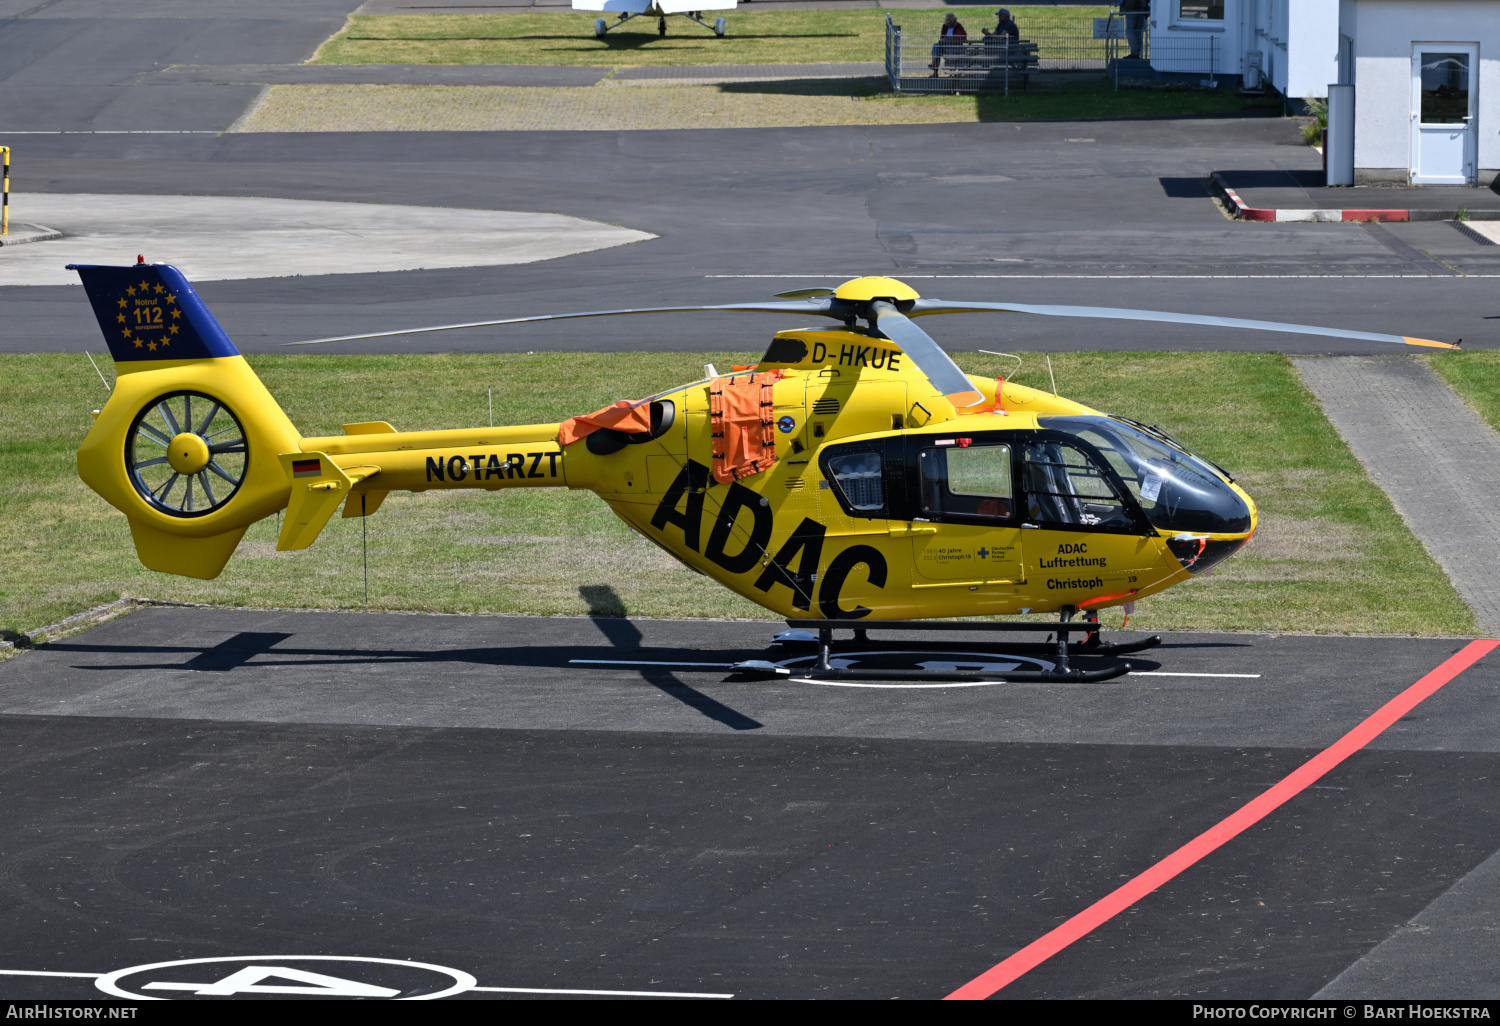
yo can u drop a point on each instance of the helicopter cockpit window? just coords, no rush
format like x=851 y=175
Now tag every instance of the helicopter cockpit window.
x=858 y=477
x=973 y=481
x=1178 y=490
x=1065 y=486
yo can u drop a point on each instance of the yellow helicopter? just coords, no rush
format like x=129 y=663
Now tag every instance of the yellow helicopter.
x=854 y=474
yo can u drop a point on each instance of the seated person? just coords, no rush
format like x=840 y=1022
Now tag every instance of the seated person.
x=950 y=41
x=1006 y=31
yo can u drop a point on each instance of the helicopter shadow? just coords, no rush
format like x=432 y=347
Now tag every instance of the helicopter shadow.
x=607 y=610
x=268 y=649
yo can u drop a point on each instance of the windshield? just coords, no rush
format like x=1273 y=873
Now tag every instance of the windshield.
x=1178 y=491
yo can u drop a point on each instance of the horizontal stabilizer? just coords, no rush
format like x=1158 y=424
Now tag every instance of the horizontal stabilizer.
x=318 y=486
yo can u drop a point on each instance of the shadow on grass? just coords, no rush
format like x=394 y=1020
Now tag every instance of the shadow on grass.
x=872 y=86
x=615 y=36
x=1059 y=99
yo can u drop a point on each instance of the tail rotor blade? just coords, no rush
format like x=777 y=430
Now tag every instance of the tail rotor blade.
x=924 y=307
x=919 y=346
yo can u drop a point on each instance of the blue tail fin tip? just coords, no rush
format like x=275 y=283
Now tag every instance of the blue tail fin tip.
x=150 y=312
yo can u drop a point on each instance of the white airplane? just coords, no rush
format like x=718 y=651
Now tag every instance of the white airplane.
x=628 y=9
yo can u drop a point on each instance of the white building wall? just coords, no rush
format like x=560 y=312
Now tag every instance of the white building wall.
x=1268 y=35
x=1298 y=41
x=1312 y=56
x=1181 y=45
x=1383 y=32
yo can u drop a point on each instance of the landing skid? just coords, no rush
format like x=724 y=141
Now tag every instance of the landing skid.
x=820 y=633
x=970 y=667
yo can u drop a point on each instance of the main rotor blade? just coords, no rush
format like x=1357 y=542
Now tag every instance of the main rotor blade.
x=923 y=307
x=822 y=307
x=937 y=365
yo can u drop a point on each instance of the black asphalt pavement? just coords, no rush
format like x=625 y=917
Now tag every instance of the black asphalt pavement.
x=85 y=65
x=197 y=783
x=1112 y=214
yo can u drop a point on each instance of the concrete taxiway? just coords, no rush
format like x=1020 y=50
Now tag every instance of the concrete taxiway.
x=452 y=790
x=213 y=238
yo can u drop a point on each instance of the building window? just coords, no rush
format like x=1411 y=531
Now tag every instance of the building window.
x=1445 y=88
x=1200 y=10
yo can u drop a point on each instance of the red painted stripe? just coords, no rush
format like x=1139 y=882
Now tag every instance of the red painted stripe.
x=1106 y=908
x=1377 y=215
x=1257 y=214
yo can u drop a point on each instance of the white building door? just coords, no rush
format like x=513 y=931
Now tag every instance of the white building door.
x=1445 y=129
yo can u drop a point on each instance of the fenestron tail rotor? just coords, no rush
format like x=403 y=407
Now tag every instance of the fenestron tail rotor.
x=888 y=305
x=186 y=454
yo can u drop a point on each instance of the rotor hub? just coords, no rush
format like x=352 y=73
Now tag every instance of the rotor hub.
x=864 y=290
x=188 y=453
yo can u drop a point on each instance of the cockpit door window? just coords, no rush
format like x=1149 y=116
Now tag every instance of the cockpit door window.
x=1066 y=485
x=967 y=482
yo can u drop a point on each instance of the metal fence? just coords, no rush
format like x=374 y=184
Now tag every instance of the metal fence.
x=926 y=62
x=1194 y=59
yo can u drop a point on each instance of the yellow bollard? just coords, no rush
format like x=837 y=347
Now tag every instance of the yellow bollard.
x=5 y=191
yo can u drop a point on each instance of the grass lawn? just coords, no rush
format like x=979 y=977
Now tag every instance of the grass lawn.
x=616 y=106
x=1476 y=377
x=1331 y=555
x=1064 y=97
x=770 y=37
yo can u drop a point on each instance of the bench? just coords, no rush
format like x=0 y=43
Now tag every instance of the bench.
x=991 y=61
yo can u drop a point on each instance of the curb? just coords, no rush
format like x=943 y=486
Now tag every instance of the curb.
x=1244 y=212
x=84 y=620
x=37 y=233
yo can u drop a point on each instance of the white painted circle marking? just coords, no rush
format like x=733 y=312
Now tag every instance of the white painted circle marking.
x=109 y=982
x=942 y=662
x=872 y=684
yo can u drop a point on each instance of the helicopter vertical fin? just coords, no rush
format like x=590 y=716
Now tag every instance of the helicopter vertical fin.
x=150 y=312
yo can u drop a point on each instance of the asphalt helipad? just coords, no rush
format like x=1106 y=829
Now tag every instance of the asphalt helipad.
x=200 y=784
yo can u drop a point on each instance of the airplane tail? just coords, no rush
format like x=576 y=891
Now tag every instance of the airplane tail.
x=188 y=446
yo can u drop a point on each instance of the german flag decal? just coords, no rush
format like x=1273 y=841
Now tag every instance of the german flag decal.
x=306 y=468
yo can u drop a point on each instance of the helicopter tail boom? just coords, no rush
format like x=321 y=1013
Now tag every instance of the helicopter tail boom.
x=360 y=469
